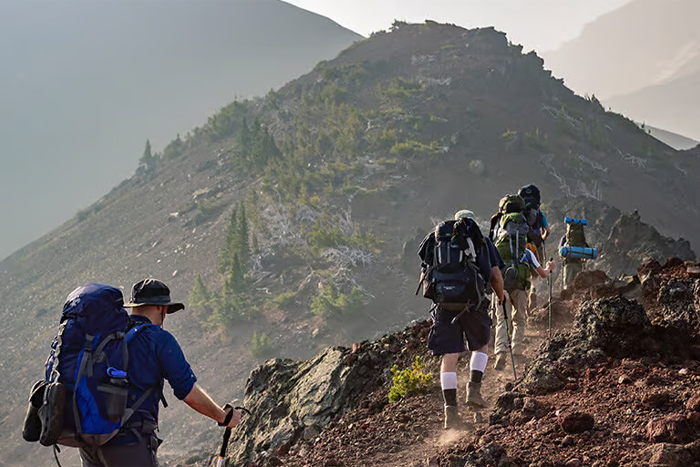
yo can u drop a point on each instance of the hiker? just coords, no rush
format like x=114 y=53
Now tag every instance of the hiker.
x=574 y=238
x=537 y=220
x=155 y=355
x=512 y=233
x=458 y=262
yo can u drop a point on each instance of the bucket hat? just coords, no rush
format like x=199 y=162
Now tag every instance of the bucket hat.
x=152 y=292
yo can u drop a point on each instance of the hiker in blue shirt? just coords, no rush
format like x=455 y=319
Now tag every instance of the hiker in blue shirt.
x=156 y=357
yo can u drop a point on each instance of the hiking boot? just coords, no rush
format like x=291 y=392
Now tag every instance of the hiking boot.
x=474 y=398
x=500 y=362
x=452 y=419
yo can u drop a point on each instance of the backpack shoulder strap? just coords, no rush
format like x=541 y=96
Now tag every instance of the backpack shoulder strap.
x=135 y=330
x=426 y=247
x=493 y=230
x=470 y=250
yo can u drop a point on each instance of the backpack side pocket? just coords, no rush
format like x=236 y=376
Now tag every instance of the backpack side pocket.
x=51 y=413
x=31 y=428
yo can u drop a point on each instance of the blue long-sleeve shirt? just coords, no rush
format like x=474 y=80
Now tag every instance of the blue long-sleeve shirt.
x=155 y=356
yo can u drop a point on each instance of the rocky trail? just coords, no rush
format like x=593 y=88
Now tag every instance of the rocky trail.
x=618 y=384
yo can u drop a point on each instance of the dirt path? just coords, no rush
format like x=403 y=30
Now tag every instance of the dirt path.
x=431 y=416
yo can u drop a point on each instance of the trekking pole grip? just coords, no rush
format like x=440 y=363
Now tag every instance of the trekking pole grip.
x=228 y=416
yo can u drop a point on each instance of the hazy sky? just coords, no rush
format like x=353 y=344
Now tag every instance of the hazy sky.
x=536 y=24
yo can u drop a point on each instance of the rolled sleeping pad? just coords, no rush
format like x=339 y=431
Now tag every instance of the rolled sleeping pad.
x=578 y=252
x=571 y=220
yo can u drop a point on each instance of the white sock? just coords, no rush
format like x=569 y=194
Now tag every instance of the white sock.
x=448 y=380
x=478 y=361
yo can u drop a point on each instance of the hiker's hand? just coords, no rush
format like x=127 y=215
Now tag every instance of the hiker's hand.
x=235 y=419
x=232 y=417
x=550 y=266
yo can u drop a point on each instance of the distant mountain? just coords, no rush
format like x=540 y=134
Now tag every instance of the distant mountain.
x=643 y=60
x=643 y=43
x=674 y=140
x=673 y=104
x=83 y=84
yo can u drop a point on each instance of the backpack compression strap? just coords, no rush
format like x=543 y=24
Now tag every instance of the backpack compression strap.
x=82 y=370
x=99 y=355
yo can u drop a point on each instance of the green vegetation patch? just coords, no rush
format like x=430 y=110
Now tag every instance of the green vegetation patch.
x=261 y=344
x=332 y=304
x=409 y=381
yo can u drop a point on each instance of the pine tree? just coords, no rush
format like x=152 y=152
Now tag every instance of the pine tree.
x=256 y=246
x=231 y=245
x=270 y=147
x=243 y=145
x=148 y=161
x=257 y=150
x=235 y=282
x=174 y=149
x=254 y=204
x=243 y=238
x=200 y=296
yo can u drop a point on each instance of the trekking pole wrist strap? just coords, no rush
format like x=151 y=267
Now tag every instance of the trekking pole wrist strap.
x=228 y=416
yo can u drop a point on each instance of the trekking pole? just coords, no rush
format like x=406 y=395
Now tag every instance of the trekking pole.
x=549 y=282
x=510 y=345
x=227 y=436
x=550 y=302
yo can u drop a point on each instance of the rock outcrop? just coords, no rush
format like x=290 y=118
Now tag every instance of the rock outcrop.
x=293 y=401
x=290 y=400
x=617 y=328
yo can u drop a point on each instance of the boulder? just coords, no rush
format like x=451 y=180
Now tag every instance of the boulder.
x=670 y=429
x=576 y=422
x=669 y=455
x=693 y=403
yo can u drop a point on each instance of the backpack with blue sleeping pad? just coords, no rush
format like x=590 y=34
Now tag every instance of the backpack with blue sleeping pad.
x=82 y=401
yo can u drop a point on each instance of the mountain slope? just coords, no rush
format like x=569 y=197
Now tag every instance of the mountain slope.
x=84 y=84
x=335 y=171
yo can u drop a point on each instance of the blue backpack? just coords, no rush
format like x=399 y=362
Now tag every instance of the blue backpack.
x=86 y=384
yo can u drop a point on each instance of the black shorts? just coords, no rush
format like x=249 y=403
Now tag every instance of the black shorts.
x=474 y=327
